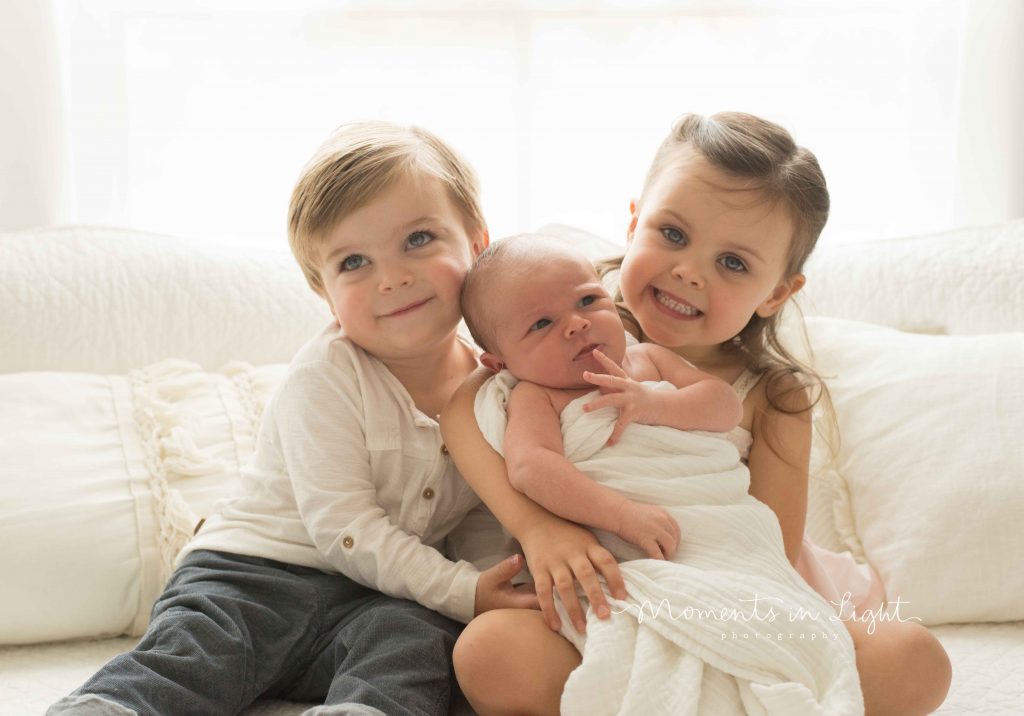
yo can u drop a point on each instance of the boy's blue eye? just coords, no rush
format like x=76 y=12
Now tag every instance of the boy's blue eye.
x=732 y=263
x=673 y=235
x=587 y=300
x=542 y=323
x=420 y=238
x=353 y=262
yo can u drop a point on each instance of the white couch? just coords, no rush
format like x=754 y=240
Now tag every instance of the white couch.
x=109 y=452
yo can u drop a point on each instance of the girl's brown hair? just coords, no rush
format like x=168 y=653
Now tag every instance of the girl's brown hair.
x=764 y=154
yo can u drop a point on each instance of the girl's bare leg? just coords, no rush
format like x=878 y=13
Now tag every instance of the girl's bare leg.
x=508 y=661
x=903 y=668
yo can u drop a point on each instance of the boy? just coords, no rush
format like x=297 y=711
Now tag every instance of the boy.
x=319 y=580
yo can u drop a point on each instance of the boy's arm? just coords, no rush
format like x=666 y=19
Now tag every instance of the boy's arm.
x=537 y=467
x=558 y=553
x=323 y=446
x=700 y=402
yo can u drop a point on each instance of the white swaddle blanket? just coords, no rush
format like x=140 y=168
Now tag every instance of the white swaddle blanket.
x=727 y=626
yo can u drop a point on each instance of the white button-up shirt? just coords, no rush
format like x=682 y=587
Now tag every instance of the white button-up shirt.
x=350 y=476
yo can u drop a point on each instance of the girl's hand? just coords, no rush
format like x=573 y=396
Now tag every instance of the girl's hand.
x=559 y=555
x=494 y=588
x=634 y=401
x=650 y=528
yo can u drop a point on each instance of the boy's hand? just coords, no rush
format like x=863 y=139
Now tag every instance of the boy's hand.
x=561 y=553
x=648 y=527
x=494 y=589
x=634 y=401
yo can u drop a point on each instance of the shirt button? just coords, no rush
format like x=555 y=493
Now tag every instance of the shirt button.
x=428 y=494
x=348 y=542
x=444 y=449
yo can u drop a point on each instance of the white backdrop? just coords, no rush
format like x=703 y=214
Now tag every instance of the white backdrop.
x=194 y=117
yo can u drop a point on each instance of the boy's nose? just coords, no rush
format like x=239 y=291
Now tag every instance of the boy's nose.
x=577 y=324
x=390 y=279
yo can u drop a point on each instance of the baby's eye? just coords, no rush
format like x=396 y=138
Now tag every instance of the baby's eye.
x=733 y=263
x=353 y=262
x=673 y=235
x=542 y=323
x=419 y=238
x=587 y=300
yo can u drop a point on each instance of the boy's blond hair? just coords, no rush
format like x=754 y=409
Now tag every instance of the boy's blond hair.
x=357 y=162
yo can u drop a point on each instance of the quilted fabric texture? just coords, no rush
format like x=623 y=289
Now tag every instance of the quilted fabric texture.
x=961 y=282
x=110 y=300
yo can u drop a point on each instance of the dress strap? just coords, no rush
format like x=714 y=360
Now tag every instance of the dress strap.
x=743 y=385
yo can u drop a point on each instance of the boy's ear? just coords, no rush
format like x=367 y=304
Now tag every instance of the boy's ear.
x=481 y=242
x=779 y=295
x=492 y=362
x=633 y=216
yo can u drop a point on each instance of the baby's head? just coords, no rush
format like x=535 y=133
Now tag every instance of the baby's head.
x=358 y=162
x=538 y=309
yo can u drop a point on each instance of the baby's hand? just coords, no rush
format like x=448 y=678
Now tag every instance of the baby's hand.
x=494 y=588
x=650 y=528
x=634 y=400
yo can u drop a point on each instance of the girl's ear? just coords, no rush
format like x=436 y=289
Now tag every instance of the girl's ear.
x=492 y=362
x=481 y=242
x=779 y=295
x=633 y=216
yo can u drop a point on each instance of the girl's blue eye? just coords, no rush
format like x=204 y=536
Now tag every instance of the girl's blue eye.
x=587 y=300
x=673 y=235
x=353 y=262
x=542 y=323
x=420 y=238
x=734 y=264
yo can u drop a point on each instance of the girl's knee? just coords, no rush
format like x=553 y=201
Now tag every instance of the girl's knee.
x=929 y=662
x=904 y=669
x=508 y=661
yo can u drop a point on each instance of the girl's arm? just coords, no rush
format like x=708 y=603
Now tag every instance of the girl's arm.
x=558 y=553
x=538 y=468
x=780 y=458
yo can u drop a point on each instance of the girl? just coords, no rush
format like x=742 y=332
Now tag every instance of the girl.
x=729 y=212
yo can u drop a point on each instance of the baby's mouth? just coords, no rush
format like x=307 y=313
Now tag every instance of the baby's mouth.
x=677 y=305
x=587 y=351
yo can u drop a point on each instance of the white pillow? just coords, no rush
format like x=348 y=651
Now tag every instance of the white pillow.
x=101 y=481
x=931 y=464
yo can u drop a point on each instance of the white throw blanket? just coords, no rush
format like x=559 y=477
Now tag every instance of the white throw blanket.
x=718 y=630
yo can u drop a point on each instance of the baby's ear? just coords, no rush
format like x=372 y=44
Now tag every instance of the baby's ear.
x=492 y=362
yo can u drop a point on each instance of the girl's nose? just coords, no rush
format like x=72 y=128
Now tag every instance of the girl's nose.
x=687 y=272
x=576 y=324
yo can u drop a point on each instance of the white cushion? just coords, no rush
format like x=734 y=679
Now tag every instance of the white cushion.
x=102 y=479
x=102 y=300
x=958 y=282
x=931 y=464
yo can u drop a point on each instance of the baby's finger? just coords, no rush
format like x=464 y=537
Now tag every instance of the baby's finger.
x=652 y=548
x=603 y=380
x=620 y=427
x=610 y=365
x=609 y=400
